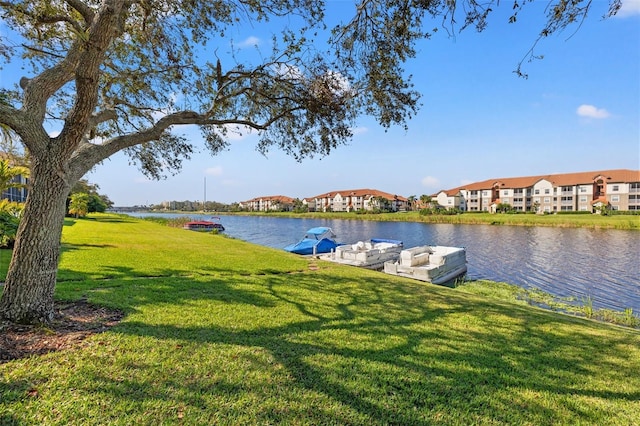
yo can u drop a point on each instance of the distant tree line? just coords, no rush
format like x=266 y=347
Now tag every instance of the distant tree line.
x=193 y=206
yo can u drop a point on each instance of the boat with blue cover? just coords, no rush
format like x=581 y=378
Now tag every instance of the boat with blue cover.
x=320 y=239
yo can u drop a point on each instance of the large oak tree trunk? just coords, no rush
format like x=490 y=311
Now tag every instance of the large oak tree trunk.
x=27 y=296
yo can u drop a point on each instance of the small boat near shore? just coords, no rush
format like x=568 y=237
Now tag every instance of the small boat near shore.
x=370 y=254
x=434 y=264
x=205 y=225
x=316 y=240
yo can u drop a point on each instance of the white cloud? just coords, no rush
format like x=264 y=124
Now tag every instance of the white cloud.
x=213 y=171
x=591 y=111
x=337 y=82
x=629 y=8
x=249 y=42
x=359 y=130
x=430 y=182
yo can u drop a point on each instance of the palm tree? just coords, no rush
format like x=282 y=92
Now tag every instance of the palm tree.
x=425 y=200
x=411 y=201
x=380 y=202
x=79 y=205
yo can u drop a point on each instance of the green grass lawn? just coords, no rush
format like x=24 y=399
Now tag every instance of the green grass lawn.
x=218 y=331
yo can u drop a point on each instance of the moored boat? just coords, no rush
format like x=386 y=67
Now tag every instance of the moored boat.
x=370 y=254
x=317 y=240
x=434 y=264
x=205 y=225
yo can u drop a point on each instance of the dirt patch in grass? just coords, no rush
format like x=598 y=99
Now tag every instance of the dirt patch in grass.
x=73 y=322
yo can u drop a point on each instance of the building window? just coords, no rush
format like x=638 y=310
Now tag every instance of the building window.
x=583 y=189
x=547 y=191
x=615 y=198
x=537 y=191
x=547 y=199
x=583 y=199
x=615 y=188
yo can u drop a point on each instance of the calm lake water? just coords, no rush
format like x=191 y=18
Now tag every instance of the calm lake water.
x=579 y=263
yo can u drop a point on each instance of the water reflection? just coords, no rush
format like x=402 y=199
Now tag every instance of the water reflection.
x=603 y=265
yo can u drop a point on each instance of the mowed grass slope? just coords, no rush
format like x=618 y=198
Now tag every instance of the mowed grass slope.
x=218 y=331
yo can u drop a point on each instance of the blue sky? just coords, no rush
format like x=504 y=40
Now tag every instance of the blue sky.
x=579 y=110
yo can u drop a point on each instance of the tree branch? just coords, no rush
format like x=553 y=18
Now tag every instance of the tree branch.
x=102 y=116
x=91 y=154
x=84 y=10
x=87 y=75
x=44 y=19
x=11 y=116
x=39 y=89
x=19 y=121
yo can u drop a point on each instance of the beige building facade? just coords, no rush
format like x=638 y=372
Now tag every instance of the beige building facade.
x=584 y=191
x=270 y=203
x=355 y=199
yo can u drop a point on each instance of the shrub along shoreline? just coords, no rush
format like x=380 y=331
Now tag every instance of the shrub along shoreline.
x=219 y=331
x=594 y=221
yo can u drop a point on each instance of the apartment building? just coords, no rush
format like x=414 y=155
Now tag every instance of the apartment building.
x=270 y=203
x=355 y=199
x=584 y=191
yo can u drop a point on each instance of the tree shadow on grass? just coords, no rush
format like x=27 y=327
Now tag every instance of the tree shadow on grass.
x=68 y=221
x=108 y=267
x=367 y=351
x=122 y=288
x=66 y=247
